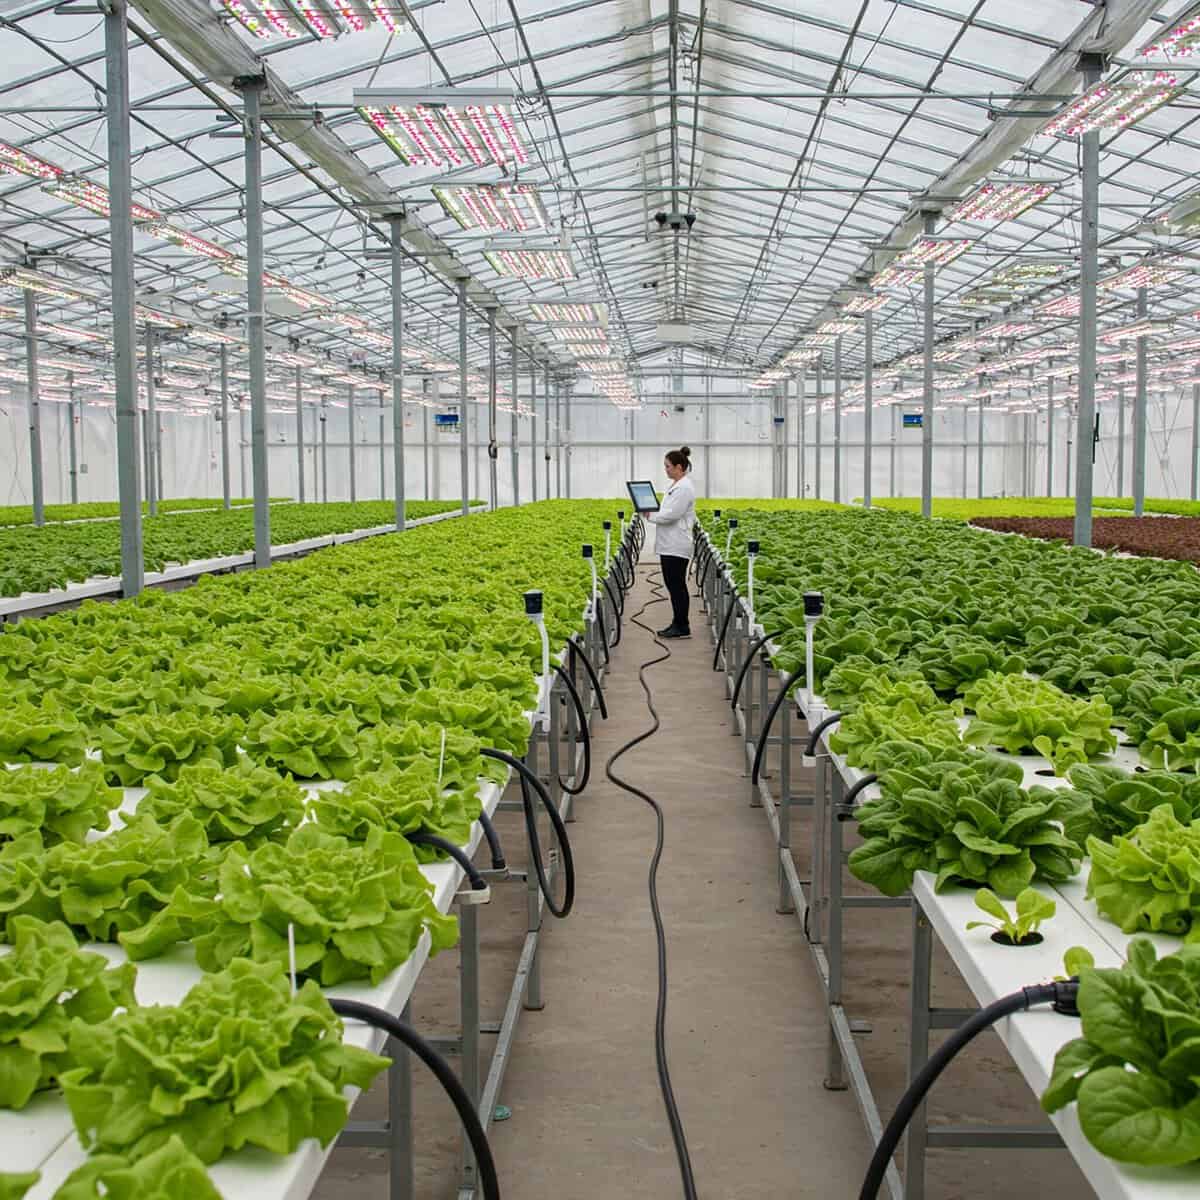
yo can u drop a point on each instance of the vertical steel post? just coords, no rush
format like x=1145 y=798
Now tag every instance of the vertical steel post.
x=324 y=452
x=299 y=440
x=892 y=455
x=226 y=498
x=979 y=451
x=927 y=388
x=558 y=440
x=493 y=465
x=533 y=450
x=514 y=438
x=1195 y=440
x=966 y=420
x=382 y=446
x=708 y=433
x=251 y=100
x=868 y=407
x=837 y=419
x=817 y=430
x=396 y=226
x=546 y=434
x=72 y=449
x=464 y=449
x=784 y=458
x=151 y=426
x=1121 y=435
x=568 y=387
x=1049 y=437
x=801 y=465
x=436 y=387
x=632 y=441
x=353 y=449
x=1088 y=269
x=1139 y=419
x=120 y=225
x=34 y=409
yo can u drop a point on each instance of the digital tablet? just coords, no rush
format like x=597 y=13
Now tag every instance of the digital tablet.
x=643 y=495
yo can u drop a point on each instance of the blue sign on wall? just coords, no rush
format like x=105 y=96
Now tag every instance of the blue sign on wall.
x=913 y=420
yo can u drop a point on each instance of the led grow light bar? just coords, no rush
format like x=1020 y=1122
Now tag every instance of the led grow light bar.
x=494 y=208
x=1182 y=40
x=446 y=127
x=1147 y=274
x=22 y=279
x=152 y=316
x=837 y=327
x=322 y=19
x=214 y=337
x=186 y=240
x=802 y=355
x=935 y=251
x=532 y=264
x=93 y=197
x=574 y=314
x=1008 y=329
x=1148 y=327
x=894 y=277
x=579 y=333
x=1115 y=106
x=1001 y=200
x=866 y=303
x=23 y=163
x=67 y=331
x=1028 y=274
x=982 y=298
x=1061 y=306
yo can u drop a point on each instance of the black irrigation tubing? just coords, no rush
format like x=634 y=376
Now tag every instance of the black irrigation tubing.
x=724 y=630
x=592 y=676
x=422 y=837
x=603 y=631
x=617 y=599
x=830 y=719
x=489 y=832
x=530 y=780
x=755 y=647
x=581 y=718
x=861 y=785
x=760 y=750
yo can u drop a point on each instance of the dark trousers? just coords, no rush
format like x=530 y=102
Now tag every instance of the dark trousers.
x=674 y=571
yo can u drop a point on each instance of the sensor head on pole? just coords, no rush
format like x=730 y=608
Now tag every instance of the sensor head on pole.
x=533 y=603
x=620 y=514
x=733 y=524
x=752 y=547
x=717 y=513
x=587 y=550
x=607 y=526
x=814 y=604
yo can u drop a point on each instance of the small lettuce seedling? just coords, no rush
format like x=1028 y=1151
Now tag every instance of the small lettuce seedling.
x=1032 y=909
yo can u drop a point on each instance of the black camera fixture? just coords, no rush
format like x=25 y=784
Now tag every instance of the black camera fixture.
x=752 y=547
x=607 y=526
x=587 y=550
x=677 y=222
x=814 y=604
x=533 y=603
x=733 y=524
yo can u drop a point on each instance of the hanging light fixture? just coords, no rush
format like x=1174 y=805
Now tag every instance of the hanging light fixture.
x=1117 y=105
x=23 y=279
x=186 y=240
x=530 y=264
x=867 y=302
x=1061 y=306
x=93 y=197
x=20 y=162
x=574 y=314
x=1182 y=40
x=213 y=337
x=322 y=19
x=895 y=277
x=579 y=333
x=152 y=316
x=937 y=251
x=1029 y=273
x=445 y=127
x=494 y=208
x=1146 y=327
x=1001 y=200
x=837 y=327
x=1151 y=273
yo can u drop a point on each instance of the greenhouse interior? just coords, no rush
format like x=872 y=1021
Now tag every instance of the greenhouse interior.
x=598 y=585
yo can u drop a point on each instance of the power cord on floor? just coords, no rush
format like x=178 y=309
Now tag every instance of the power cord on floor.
x=660 y=1023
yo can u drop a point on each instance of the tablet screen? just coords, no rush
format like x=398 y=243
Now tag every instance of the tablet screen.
x=642 y=493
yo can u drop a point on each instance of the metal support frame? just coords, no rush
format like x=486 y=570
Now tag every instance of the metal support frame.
x=152 y=491
x=1049 y=437
x=226 y=497
x=351 y=447
x=1195 y=471
x=251 y=100
x=324 y=417
x=801 y=466
x=927 y=388
x=533 y=444
x=425 y=442
x=558 y=440
x=382 y=446
x=120 y=226
x=514 y=437
x=817 y=431
x=568 y=449
x=1121 y=435
x=33 y=407
x=892 y=452
x=73 y=407
x=982 y=419
x=1088 y=270
x=868 y=406
x=464 y=462
x=399 y=483
x=546 y=432
x=299 y=437
x=837 y=419
x=1138 y=470
x=493 y=465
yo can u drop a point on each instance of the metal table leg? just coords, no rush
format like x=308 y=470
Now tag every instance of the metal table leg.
x=786 y=904
x=835 y=1075
x=916 y=1139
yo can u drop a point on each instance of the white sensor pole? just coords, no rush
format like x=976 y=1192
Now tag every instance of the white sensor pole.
x=533 y=610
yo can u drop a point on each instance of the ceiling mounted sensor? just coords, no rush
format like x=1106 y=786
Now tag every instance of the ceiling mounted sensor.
x=677 y=222
x=445 y=127
x=322 y=19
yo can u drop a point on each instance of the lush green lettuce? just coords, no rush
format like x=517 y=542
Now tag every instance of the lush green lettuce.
x=61 y=804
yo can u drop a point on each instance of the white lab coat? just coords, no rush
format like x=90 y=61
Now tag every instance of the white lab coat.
x=674 y=520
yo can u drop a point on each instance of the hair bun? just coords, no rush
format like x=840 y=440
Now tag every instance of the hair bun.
x=687 y=450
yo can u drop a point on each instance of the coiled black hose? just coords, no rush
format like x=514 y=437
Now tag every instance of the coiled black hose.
x=755 y=647
x=581 y=718
x=810 y=746
x=576 y=648
x=423 y=837
x=1063 y=993
x=489 y=1183
x=528 y=780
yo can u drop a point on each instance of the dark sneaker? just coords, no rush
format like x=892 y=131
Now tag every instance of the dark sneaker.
x=672 y=632
x=665 y=630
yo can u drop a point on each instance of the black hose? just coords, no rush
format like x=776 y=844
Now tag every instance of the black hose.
x=810 y=747
x=617 y=600
x=758 y=644
x=733 y=600
x=674 y=1120
x=1063 y=991
x=595 y=679
x=581 y=718
x=709 y=558
x=528 y=780
x=493 y=841
x=370 y=1015
x=760 y=749
x=424 y=838
x=603 y=632
x=853 y=792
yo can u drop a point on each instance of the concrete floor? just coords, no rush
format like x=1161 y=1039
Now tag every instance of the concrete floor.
x=746 y=1026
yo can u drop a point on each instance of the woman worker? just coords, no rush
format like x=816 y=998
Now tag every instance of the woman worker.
x=673 y=537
